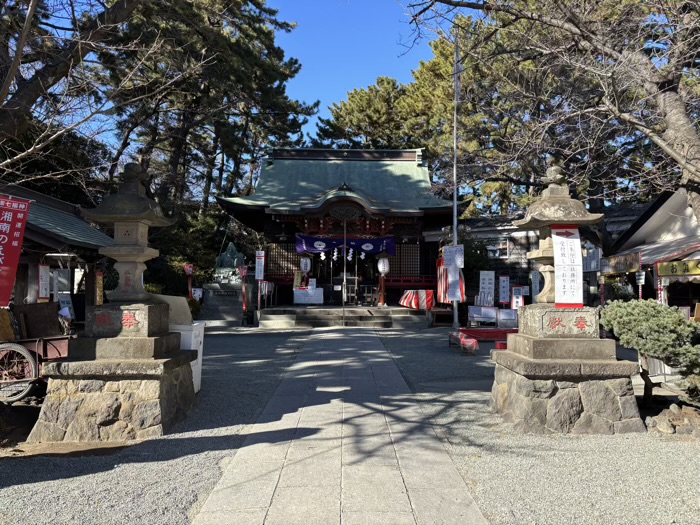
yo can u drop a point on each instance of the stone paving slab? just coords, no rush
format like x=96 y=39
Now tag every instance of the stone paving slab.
x=341 y=442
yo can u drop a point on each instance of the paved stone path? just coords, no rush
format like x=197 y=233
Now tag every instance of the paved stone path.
x=341 y=442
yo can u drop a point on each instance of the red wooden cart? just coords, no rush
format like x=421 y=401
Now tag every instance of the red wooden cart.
x=31 y=336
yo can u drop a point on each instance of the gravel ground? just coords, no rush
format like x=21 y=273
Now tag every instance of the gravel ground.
x=633 y=479
x=163 y=481
x=515 y=479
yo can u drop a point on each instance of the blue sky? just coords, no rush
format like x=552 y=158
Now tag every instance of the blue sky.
x=346 y=44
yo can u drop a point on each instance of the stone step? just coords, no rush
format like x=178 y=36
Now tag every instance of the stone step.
x=277 y=324
x=327 y=323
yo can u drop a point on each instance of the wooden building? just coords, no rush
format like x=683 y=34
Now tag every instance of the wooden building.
x=59 y=240
x=310 y=200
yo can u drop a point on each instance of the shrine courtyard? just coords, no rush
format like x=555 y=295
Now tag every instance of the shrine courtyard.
x=351 y=426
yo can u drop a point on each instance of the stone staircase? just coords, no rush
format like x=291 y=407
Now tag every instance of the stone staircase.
x=316 y=317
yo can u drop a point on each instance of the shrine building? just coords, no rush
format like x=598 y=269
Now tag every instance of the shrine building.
x=344 y=210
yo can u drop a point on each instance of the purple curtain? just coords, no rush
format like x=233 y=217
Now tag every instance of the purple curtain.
x=369 y=245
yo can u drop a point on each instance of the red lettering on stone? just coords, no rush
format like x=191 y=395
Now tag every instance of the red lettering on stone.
x=129 y=320
x=103 y=319
x=555 y=322
x=127 y=281
x=581 y=323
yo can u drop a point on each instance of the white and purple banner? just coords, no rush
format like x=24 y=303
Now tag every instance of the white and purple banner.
x=374 y=245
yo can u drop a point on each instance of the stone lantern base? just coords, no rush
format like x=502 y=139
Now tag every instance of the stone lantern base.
x=105 y=400
x=557 y=376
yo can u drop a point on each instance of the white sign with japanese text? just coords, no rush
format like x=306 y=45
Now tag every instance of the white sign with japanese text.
x=454 y=255
x=517 y=299
x=454 y=291
x=487 y=287
x=259 y=265
x=503 y=289
x=44 y=283
x=568 y=267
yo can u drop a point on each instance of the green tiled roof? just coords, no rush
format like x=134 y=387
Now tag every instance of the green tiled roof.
x=69 y=228
x=293 y=184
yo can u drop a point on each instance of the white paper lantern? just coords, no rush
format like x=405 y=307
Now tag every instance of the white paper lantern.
x=305 y=264
x=383 y=265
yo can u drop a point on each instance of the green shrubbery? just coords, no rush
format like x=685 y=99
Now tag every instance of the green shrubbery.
x=659 y=331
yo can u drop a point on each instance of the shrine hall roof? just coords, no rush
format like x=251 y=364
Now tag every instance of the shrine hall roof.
x=296 y=181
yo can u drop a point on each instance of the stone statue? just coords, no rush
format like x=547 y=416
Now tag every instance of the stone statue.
x=231 y=258
x=226 y=271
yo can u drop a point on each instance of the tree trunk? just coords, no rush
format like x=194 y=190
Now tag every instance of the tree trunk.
x=220 y=178
x=209 y=177
x=683 y=137
x=172 y=187
x=146 y=152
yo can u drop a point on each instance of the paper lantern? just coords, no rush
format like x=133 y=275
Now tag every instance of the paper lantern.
x=383 y=265
x=305 y=264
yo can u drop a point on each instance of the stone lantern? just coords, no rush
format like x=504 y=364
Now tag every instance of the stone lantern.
x=127 y=378
x=557 y=375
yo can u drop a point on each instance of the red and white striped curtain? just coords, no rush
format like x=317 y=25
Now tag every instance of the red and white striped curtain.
x=443 y=285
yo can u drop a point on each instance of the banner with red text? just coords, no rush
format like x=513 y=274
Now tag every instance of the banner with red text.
x=13 y=219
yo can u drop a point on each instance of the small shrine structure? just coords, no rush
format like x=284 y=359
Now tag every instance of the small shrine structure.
x=127 y=379
x=358 y=205
x=557 y=374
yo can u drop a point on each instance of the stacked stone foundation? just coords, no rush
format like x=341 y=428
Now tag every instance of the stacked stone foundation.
x=578 y=406
x=114 y=401
x=558 y=376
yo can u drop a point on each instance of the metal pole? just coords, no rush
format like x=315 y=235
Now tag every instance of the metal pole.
x=345 y=263
x=455 y=316
x=357 y=282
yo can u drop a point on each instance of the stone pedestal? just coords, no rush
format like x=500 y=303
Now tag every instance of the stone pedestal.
x=105 y=400
x=557 y=375
x=127 y=378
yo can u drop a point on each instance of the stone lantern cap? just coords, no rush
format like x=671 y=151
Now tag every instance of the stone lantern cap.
x=130 y=203
x=556 y=206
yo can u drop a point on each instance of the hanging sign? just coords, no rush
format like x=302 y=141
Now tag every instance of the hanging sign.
x=13 y=219
x=487 y=288
x=518 y=297
x=568 y=267
x=454 y=289
x=503 y=289
x=640 y=278
x=44 y=284
x=454 y=256
x=676 y=268
x=259 y=265
x=591 y=260
x=617 y=264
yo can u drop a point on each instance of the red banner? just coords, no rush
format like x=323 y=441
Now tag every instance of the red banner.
x=13 y=219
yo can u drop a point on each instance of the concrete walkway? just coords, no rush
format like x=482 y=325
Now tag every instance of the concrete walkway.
x=341 y=442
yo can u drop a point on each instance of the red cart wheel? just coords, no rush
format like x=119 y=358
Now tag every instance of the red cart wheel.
x=18 y=370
